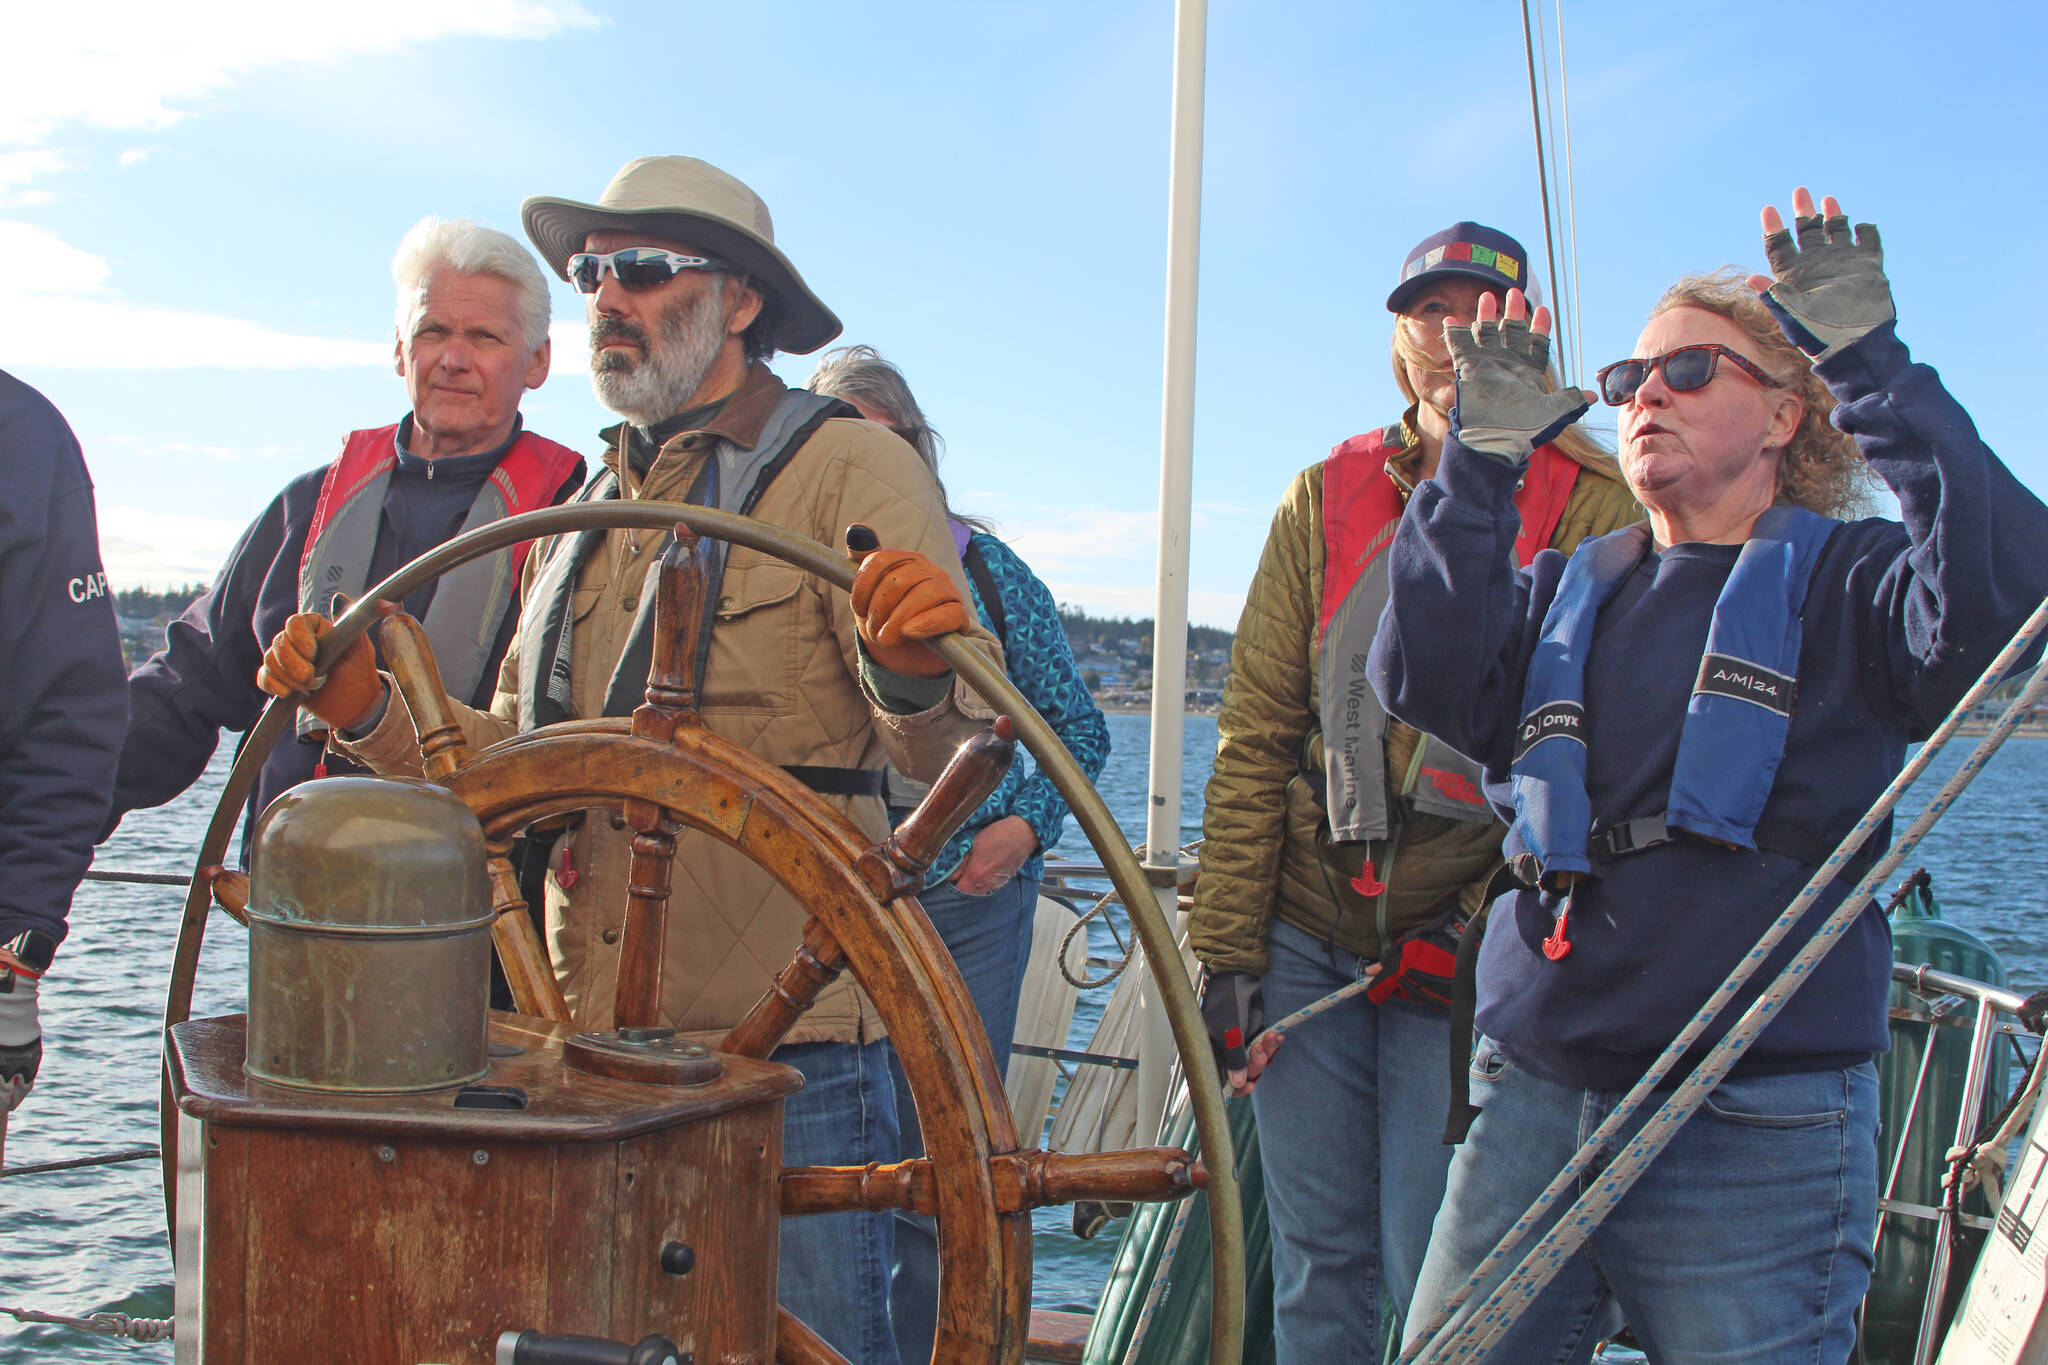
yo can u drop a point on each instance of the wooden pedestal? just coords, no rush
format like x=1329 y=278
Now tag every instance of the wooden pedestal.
x=373 y=1230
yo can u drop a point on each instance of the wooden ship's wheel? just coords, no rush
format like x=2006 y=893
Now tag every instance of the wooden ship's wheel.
x=661 y=772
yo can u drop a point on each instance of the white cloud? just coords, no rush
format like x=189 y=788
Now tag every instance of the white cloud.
x=145 y=549
x=571 y=337
x=58 y=310
x=144 y=66
x=18 y=168
x=137 y=64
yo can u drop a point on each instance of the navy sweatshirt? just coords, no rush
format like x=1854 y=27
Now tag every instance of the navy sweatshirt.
x=1898 y=621
x=63 y=705
x=203 y=680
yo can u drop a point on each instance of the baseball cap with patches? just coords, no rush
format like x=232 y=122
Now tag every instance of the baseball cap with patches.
x=1465 y=249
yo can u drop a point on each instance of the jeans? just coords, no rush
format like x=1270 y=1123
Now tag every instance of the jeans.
x=1747 y=1239
x=1351 y=1123
x=834 y=1268
x=990 y=939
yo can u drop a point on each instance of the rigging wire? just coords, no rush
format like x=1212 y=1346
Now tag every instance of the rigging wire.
x=1536 y=118
x=1570 y=207
x=1561 y=287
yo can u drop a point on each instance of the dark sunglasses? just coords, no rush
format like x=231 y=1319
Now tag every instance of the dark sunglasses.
x=1685 y=369
x=637 y=267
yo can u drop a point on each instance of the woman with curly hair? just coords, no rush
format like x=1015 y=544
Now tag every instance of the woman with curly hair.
x=1683 y=719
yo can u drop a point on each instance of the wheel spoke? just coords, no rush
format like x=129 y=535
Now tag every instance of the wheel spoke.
x=409 y=659
x=1022 y=1180
x=797 y=1344
x=678 y=620
x=817 y=963
x=528 y=973
x=897 y=865
x=643 y=945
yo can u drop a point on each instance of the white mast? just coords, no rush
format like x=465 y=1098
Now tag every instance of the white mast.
x=1176 y=459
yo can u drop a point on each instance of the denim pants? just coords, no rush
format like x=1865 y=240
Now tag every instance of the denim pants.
x=1747 y=1239
x=1351 y=1124
x=833 y=1268
x=990 y=939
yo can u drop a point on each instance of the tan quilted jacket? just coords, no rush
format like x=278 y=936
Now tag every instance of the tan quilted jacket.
x=1261 y=816
x=782 y=681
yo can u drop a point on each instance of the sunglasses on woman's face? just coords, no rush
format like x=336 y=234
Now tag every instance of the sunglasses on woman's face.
x=1685 y=369
x=637 y=267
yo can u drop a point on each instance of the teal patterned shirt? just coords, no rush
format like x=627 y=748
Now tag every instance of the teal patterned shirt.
x=1041 y=664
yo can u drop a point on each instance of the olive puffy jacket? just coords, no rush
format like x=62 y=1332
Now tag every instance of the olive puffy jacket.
x=1263 y=819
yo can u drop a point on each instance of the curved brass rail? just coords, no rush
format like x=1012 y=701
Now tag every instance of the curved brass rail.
x=1226 y=1220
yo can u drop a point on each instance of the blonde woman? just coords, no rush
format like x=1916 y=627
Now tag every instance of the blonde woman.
x=1340 y=844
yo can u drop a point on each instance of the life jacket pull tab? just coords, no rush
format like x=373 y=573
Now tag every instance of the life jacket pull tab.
x=1558 y=946
x=1366 y=884
x=567 y=876
x=320 y=768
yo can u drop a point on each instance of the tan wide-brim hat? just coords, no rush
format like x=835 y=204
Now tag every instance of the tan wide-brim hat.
x=691 y=203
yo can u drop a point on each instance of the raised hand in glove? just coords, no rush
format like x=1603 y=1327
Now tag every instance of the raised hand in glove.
x=1829 y=290
x=1234 y=1010
x=21 y=1037
x=900 y=600
x=1506 y=405
x=350 y=693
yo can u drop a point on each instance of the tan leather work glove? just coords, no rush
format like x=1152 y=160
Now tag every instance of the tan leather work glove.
x=900 y=600
x=352 y=690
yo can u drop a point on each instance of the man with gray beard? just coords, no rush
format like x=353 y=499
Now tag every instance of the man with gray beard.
x=687 y=297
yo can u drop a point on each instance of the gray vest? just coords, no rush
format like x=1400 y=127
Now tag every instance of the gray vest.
x=469 y=605
x=1359 y=798
x=732 y=481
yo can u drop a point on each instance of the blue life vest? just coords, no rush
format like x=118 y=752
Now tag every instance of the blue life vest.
x=1735 y=723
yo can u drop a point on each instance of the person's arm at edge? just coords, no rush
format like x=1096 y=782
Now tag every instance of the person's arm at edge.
x=65 y=682
x=1974 y=567
x=203 y=680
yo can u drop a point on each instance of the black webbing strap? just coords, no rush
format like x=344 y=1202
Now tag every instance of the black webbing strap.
x=837 y=781
x=985 y=582
x=1801 y=844
x=1464 y=1006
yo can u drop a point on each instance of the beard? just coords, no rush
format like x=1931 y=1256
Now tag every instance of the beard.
x=660 y=381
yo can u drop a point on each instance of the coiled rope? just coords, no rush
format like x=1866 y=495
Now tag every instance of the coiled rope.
x=1499 y=1310
x=100 y=1324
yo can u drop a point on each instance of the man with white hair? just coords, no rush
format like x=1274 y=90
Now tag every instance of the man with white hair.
x=472 y=337
x=687 y=296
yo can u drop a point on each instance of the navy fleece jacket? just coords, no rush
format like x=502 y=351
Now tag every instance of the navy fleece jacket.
x=203 y=680
x=63 y=701
x=1897 y=621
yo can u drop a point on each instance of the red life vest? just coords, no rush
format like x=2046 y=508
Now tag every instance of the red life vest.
x=1361 y=508
x=526 y=478
x=471 y=601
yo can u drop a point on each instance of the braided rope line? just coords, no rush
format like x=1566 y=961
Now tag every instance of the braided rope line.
x=75 y=1163
x=1508 y=1299
x=100 y=1324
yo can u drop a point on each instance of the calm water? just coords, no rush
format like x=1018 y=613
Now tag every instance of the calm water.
x=81 y=1241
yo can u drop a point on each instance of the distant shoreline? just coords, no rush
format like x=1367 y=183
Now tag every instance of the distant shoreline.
x=1122 y=708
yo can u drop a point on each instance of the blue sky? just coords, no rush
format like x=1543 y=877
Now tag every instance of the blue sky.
x=198 y=206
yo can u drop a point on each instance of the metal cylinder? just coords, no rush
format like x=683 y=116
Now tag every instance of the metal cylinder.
x=369 y=939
